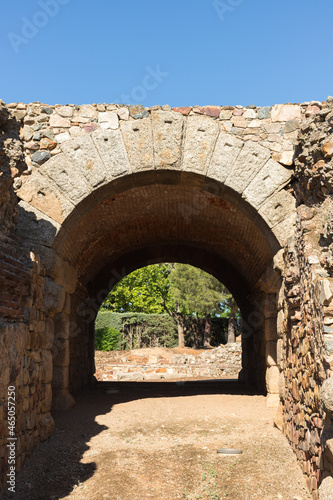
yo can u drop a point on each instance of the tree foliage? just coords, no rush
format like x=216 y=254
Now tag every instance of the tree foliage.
x=181 y=290
x=196 y=291
x=141 y=291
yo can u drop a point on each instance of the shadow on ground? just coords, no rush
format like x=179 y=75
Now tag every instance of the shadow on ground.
x=54 y=477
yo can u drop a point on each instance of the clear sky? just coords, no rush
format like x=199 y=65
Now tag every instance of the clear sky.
x=177 y=52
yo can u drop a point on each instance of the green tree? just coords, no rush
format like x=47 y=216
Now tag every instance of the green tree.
x=179 y=289
x=196 y=292
x=143 y=290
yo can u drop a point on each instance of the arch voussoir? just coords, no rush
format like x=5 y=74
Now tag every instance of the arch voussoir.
x=168 y=129
x=200 y=139
x=137 y=136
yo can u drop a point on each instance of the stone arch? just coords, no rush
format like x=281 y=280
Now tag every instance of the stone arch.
x=159 y=186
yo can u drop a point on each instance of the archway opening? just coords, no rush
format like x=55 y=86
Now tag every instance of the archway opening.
x=143 y=220
x=168 y=321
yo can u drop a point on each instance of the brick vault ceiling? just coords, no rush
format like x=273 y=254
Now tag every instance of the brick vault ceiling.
x=159 y=223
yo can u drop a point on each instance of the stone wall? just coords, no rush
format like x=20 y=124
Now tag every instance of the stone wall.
x=305 y=305
x=223 y=361
x=25 y=361
x=242 y=168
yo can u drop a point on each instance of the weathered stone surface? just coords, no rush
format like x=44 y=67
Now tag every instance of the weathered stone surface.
x=47 y=367
x=123 y=113
x=38 y=192
x=271 y=329
x=326 y=293
x=49 y=134
x=285 y=112
x=70 y=183
x=168 y=131
x=63 y=137
x=285 y=229
x=138 y=140
x=58 y=121
x=61 y=355
x=250 y=113
x=60 y=377
x=65 y=111
x=108 y=120
x=328 y=147
x=40 y=157
x=271 y=178
x=328 y=341
x=326 y=489
x=54 y=297
x=218 y=362
x=213 y=111
x=200 y=138
x=134 y=376
x=271 y=353
x=225 y=114
x=184 y=111
x=82 y=153
x=88 y=111
x=249 y=162
x=225 y=154
x=111 y=148
x=272 y=379
x=46 y=143
x=285 y=157
x=264 y=112
x=48 y=335
x=279 y=207
x=27 y=133
x=33 y=225
x=138 y=112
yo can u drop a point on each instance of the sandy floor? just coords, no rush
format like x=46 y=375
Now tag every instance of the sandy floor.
x=131 y=441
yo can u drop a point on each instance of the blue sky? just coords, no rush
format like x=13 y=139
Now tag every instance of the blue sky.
x=177 y=52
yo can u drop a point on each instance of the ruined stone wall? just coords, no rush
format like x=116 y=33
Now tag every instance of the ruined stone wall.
x=223 y=361
x=25 y=361
x=305 y=317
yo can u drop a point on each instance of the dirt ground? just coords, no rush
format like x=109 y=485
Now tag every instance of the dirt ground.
x=158 y=440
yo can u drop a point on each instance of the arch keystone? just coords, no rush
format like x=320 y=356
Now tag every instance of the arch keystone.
x=111 y=148
x=168 y=130
x=138 y=140
x=201 y=135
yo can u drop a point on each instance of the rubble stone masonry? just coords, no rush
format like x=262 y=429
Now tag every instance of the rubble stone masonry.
x=90 y=192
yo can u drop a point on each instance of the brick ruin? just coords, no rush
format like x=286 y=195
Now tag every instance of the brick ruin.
x=90 y=193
